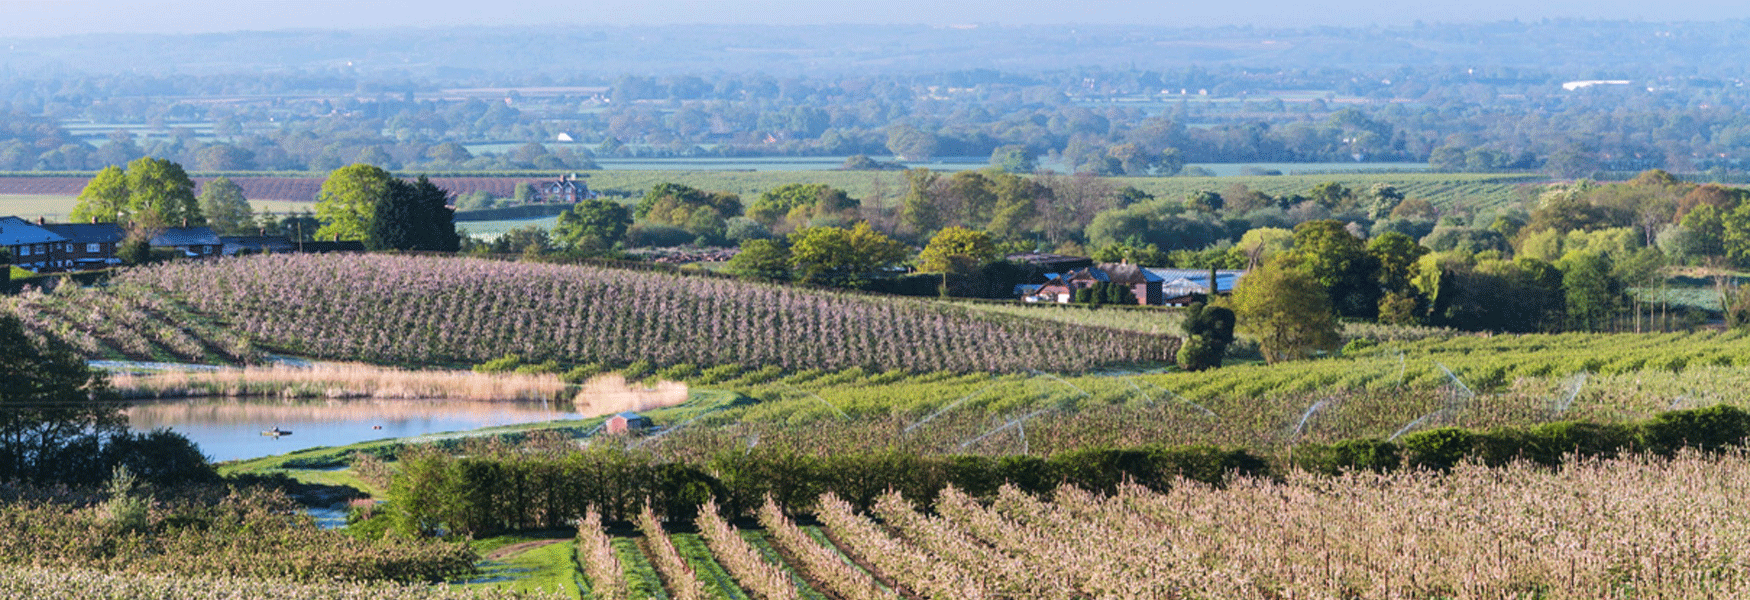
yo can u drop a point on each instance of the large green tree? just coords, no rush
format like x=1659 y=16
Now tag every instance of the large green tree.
x=593 y=226
x=1593 y=293
x=701 y=213
x=348 y=201
x=1339 y=262
x=150 y=192
x=796 y=205
x=1287 y=311
x=839 y=256
x=227 y=211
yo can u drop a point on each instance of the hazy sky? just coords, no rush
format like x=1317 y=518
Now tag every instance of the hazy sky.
x=59 y=17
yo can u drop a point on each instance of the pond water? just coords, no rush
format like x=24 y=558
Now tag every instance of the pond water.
x=231 y=428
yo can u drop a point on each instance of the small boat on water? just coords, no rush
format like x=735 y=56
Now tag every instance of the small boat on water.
x=276 y=432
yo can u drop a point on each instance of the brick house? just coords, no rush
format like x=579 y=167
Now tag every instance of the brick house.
x=90 y=245
x=33 y=247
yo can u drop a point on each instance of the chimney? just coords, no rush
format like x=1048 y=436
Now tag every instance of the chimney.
x=93 y=220
x=39 y=220
x=185 y=222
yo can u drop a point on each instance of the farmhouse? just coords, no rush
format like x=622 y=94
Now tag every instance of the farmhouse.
x=1061 y=288
x=1152 y=286
x=568 y=190
x=33 y=247
x=627 y=422
x=90 y=245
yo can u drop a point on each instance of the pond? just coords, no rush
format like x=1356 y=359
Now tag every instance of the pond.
x=232 y=428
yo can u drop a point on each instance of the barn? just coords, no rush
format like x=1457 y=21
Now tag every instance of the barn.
x=627 y=422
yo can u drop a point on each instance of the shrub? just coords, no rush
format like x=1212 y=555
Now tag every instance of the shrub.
x=1709 y=429
x=1371 y=454
x=583 y=373
x=542 y=368
x=1437 y=449
x=637 y=371
x=502 y=364
x=680 y=372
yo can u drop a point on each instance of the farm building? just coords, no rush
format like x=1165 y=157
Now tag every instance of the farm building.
x=1061 y=288
x=1170 y=287
x=1182 y=285
x=627 y=422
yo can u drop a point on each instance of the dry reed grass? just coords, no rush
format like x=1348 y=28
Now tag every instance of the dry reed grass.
x=609 y=394
x=340 y=380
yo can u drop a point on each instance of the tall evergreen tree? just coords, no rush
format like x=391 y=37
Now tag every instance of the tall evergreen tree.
x=413 y=216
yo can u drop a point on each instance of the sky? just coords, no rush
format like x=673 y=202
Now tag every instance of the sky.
x=39 y=18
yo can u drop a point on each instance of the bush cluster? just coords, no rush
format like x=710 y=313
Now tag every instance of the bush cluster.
x=492 y=488
x=1707 y=429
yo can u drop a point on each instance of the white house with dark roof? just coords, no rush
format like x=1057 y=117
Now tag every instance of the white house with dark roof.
x=193 y=242
x=33 y=247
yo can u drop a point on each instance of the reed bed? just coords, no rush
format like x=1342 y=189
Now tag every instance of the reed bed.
x=340 y=380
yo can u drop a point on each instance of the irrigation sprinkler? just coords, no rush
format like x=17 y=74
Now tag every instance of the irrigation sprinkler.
x=836 y=409
x=1299 y=427
x=1574 y=385
x=947 y=408
x=1015 y=422
x=1205 y=410
x=1455 y=381
x=1412 y=425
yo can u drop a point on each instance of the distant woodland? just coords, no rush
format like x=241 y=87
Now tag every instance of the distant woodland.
x=1568 y=98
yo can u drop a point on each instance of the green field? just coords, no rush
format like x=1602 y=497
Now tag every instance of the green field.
x=56 y=208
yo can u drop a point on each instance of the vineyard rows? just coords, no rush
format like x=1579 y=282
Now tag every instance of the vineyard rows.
x=126 y=322
x=1592 y=530
x=379 y=308
x=1383 y=391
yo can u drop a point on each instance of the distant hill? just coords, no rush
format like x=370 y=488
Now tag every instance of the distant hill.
x=569 y=55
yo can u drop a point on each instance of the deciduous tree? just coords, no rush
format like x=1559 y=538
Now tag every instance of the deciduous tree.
x=152 y=192
x=348 y=201
x=841 y=256
x=227 y=211
x=593 y=226
x=1287 y=311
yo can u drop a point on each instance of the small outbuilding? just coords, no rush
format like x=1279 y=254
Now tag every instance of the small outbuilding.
x=628 y=422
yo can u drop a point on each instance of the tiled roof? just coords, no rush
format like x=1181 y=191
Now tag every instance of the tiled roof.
x=89 y=233
x=15 y=232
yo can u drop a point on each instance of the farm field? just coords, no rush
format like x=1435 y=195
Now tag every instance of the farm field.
x=1359 y=536
x=490 y=230
x=409 y=310
x=873 y=187
x=55 y=208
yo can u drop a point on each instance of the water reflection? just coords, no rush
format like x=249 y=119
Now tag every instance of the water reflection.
x=230 y=429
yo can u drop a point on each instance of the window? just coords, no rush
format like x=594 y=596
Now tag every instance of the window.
x=93 y=248
x=24 y=250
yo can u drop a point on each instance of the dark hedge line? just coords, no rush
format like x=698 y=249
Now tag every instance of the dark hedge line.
x=1708 y=429
x=489 y=490
x=493 y=488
